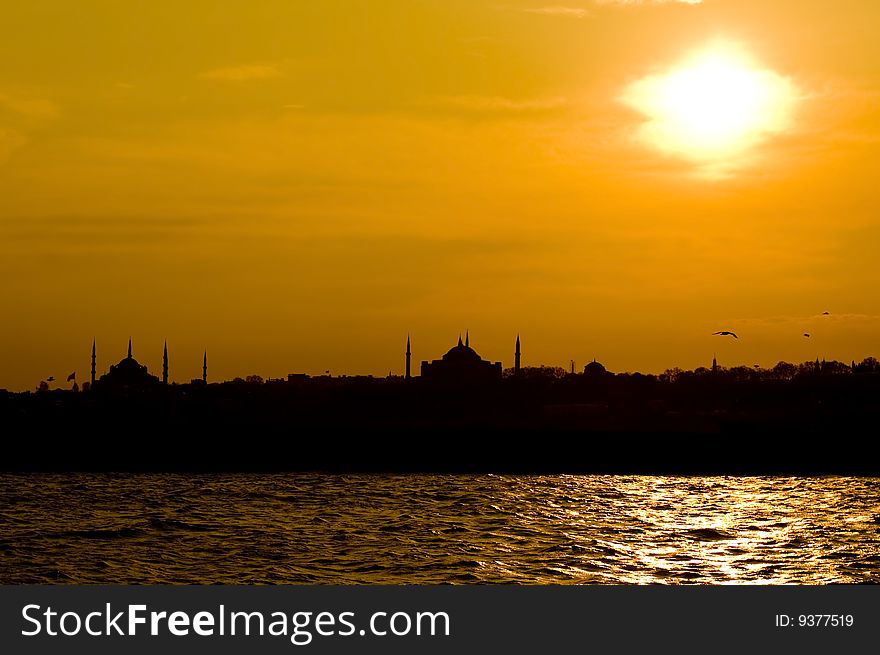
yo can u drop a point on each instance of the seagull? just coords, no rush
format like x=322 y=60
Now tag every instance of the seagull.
x=51 y=378
x=725 y=333
x=806 y=334
x=826 y=313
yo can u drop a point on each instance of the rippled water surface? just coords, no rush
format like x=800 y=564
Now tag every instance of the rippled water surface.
x=321 y=528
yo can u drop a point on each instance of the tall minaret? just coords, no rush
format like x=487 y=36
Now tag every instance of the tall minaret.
x=714 y=364
x=516 y=356
x=467 y=339
x=129 y=347
x=93 y=362
x=165 y=364
x=408 y=357
x=205 y=368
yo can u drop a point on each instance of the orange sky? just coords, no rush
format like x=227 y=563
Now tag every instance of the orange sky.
x=295 y=186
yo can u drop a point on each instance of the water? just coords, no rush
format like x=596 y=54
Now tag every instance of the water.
x=320 y=528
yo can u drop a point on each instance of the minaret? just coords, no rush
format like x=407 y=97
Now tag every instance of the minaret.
x=467 y=339
x=459 y=338
x=129 y=347
x=714 y=364
x=408 y=358
x=93 y=362
x=516 y=356
x=205 y=368
x=165 y=364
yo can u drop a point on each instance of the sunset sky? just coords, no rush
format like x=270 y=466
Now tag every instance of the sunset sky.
x=295 y=185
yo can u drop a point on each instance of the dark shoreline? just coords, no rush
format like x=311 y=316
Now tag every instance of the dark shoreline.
x=452 y=452
x=813 y=424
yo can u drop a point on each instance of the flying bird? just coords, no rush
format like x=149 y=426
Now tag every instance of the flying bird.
x=806 y=334
x=726 y=333
x=826 y=313
x=51 y=378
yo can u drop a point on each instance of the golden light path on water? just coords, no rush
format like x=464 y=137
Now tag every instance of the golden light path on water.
x=713 y=107
x=425 y=529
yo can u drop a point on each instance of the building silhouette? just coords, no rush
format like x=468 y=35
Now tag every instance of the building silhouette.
x=516 y=357
x=408 y=358
x=127 y=375
x=595 y=370
x=461 y=364
x=165 y=364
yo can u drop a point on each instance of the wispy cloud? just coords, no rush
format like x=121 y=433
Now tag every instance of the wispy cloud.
x=647 y=2
x=570 y=12
x=242 y=73
x=9 y=141
x=814 y=320
x=567 y=11
x=496 y=104
x=19 y=114
x=27 y=106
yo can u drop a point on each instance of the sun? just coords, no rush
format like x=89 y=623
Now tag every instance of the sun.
x=713 y=106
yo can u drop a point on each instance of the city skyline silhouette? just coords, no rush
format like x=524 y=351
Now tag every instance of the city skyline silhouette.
x=714 y=419
x=406 y=370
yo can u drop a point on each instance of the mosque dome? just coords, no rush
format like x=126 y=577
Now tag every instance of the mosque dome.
x=594 y=368
x=461 y=353
x=461 y=363
x=128 y=374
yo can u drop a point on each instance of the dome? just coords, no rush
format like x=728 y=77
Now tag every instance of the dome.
x=461 y=364
x=130 y=366
x=594 y=368
x=461 y=353
x=127 y=374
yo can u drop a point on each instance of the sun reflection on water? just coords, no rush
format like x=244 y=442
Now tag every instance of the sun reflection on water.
x=423 y=529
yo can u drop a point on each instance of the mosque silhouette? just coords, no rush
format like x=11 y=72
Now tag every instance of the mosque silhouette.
x=131 y=375
x=460 y=364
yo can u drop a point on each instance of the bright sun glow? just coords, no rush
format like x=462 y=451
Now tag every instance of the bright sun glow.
x=713 y=106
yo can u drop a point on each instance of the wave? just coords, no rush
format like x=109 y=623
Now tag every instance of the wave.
x=708 y=534
x=168 y=525
x=103 y=533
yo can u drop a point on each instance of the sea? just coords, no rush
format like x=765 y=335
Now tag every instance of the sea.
x=321 y=528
